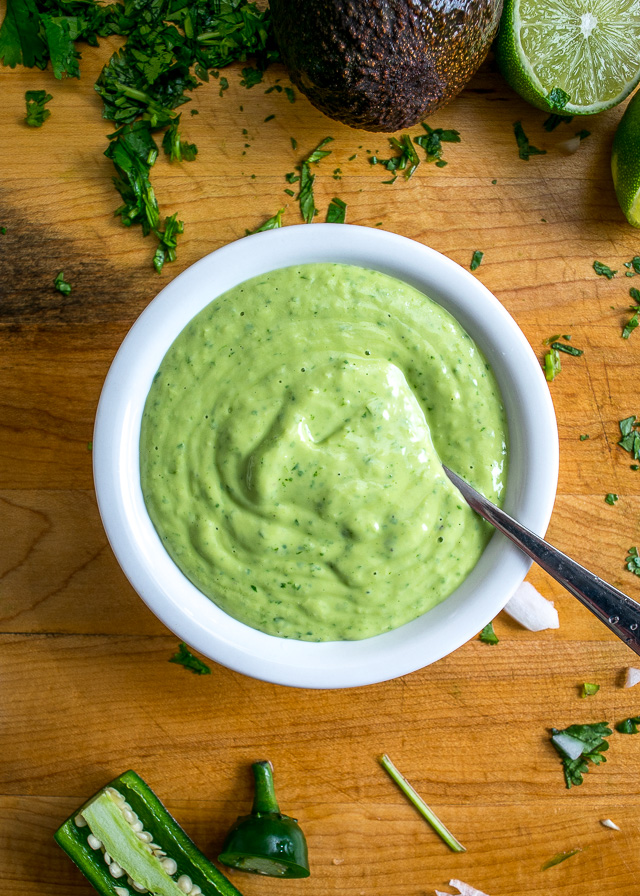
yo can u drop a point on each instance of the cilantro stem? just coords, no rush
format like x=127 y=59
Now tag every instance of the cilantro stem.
x=416 y=800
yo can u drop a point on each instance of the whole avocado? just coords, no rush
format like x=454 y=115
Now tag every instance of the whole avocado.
x=382 y=65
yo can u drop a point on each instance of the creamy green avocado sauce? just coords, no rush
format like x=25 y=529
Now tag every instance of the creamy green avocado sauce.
x=291 y=452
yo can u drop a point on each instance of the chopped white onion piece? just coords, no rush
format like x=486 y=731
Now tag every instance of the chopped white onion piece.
x=570 y=146
x=607 y=823
x=466 y=889
x=633 y=677
x=528 y=607
x=571 y=746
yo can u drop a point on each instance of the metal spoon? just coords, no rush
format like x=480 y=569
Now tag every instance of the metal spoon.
x=620 y=613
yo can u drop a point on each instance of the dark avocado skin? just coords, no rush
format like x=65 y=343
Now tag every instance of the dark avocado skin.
x=382 y=65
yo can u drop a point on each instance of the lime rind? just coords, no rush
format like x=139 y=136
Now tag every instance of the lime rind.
x=587 y=48
x=625 y=161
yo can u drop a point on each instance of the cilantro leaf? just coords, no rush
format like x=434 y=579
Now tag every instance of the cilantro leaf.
x=320 y=153
x=20 y=39
x=476 y=260
x=185 y=658
x=557 y=98
x=175 y=147
x=487 y=635
x=552 y=122
x=290 y=93
x=305 y=194
x=629 y=726
x=611 y=498
x=61 y=285
x=589 y=740
x=167 y=241
x=62 y=52
x=603 y=270
x=36 y=112
x=406 y=159
x=336 y=212
x=269 y=224
x=632 y=561
x=251 y=77
x=630 y=440
x=432 y=142
x=525 y=149
x=567 y=349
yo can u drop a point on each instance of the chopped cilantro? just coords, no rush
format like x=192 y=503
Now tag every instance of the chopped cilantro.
x=632 y=561
x=89 y=446
x=560 y=857
x=290 y=93
x=611 y=498
x=476 y=260
x=351 y=158
x=251 y=77
x=269 y=118
x=589 y=740
x=336 y=211
x=525 y=149
x=567 y=349
x=558 y=98
x=630 y=440
x=405 y=160
x=632 y=323
x=584 y=437
x=294 y=143
x=290 y=192
x=583 y=134
x=36 y=112
x=552 y=365
x=269 y=224
x=275 y=87
x=552 y=122
x=487 y=635
x=589 y=689
x=185 y=658
x=305 y=194
x=337 y=173
x=224 y=85
x=61 y=285
x=603 y=270
x=628 y=726
x=3 y=230
x=167 y=241
x=320 y=153
x=175 y=147
x=432 y=142
x=195 y=112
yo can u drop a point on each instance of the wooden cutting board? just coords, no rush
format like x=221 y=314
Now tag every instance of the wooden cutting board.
x=87 y=689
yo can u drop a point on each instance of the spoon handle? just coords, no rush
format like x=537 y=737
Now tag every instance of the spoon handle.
x=619 y=612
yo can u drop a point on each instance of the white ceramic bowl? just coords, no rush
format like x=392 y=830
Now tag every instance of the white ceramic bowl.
x=532 y=479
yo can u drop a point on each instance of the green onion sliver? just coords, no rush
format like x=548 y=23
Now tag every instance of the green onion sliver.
x=416 y=800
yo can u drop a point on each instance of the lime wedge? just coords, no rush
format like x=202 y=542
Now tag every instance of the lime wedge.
x=625 y=162
x=574 y=57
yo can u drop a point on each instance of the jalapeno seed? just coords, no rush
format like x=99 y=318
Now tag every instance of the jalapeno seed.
x=115 y=870
x=169 y=865
x=80 y=822
x=184 y=883
x=93 y=842
x=122 y=891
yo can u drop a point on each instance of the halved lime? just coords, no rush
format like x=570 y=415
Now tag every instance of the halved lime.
x=625 y=161
x=584 y=53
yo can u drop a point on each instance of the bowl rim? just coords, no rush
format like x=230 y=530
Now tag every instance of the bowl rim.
x=531 y=483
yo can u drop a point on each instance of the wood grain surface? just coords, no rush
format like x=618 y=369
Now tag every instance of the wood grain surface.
x=87 y=690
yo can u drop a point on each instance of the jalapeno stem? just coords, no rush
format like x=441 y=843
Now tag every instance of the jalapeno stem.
x=264 y=799
x=416 y=800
